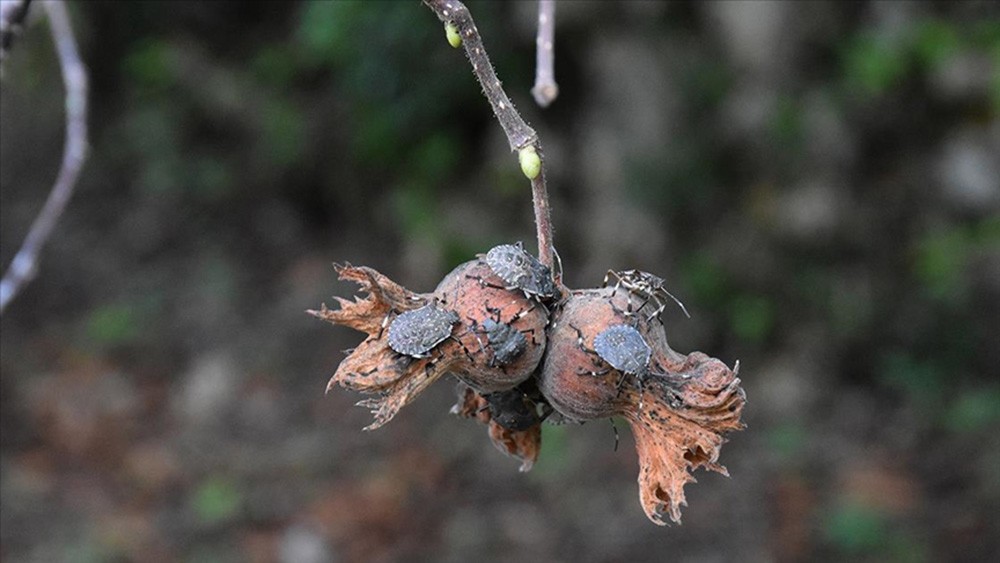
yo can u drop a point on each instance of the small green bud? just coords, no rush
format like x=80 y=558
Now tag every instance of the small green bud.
x=451 y=32
x=531 y=164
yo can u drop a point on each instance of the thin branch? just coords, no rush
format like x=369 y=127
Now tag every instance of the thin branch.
x=25 y=264
x=12 y=16
x=543 y=219
x=519 y=134
x=545 y=90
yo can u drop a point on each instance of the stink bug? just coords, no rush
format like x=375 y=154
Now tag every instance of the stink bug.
x=415 y=333
x=520 y=270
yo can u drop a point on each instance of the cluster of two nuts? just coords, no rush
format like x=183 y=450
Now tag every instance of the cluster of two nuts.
x=524 y=347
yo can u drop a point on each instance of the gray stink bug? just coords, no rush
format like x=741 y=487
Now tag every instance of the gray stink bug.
x=514 y=410
x=520 y=270
x=624 y=349
x=506 y=341
x=647 y=287
x=415 y=333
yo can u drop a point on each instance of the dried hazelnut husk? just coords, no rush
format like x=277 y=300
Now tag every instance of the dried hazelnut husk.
x=478 y=300
x=679 y=408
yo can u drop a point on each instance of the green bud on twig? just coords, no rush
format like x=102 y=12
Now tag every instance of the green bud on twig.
x=531 y=164
x=451 y=32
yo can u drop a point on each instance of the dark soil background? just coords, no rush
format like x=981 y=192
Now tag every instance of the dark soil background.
x=819 y=182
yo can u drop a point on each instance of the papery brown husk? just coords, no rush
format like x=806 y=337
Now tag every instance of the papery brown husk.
x=685 y=409
x=374 y=368
x=671 y=441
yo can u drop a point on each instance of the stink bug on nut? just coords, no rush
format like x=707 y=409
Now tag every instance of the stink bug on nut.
x=415 y=333
x=520 y=270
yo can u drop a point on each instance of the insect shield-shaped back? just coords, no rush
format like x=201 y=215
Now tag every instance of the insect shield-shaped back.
x=507 y=342
x=415 y=333
x=520 y=270
x=624 y=348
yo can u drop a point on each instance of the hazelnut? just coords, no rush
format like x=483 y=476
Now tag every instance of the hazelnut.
x=677 y=406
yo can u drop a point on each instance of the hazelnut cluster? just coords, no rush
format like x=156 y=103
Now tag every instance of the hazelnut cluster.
x=524 y=347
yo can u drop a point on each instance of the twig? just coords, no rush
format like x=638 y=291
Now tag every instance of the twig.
x=545 y=90
x=543 y=219
x=12 y=16
x=24 y=266
x=519 y=134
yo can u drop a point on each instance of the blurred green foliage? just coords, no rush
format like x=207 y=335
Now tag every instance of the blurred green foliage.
x=856 y=529
x=974 y=410
x=283 y=131
x=705 y=278
x=874 y=64
x=553 y=460
x=752 y=317
x=787 y=440
x=941 y=261
x=942 y=256
x=786 y=124
x=922 y=380
x=113 y=324
x=216 y=499
x=149 y=68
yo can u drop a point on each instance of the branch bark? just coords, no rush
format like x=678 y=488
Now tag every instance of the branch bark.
x=519 y=134
x=25 y=264
x=545 y=90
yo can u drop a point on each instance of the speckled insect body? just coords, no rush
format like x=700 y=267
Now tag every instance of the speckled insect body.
x=647 y=287
x=415 y=333
x=506 y=341
x=520 y=270
x=624 y=349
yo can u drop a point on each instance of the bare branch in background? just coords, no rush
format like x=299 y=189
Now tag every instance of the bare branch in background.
x=25 y=264
x=12 y=16
x=522 y=138
x=545 y=90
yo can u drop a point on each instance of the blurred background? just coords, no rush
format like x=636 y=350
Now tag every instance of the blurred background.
x=818 y=182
